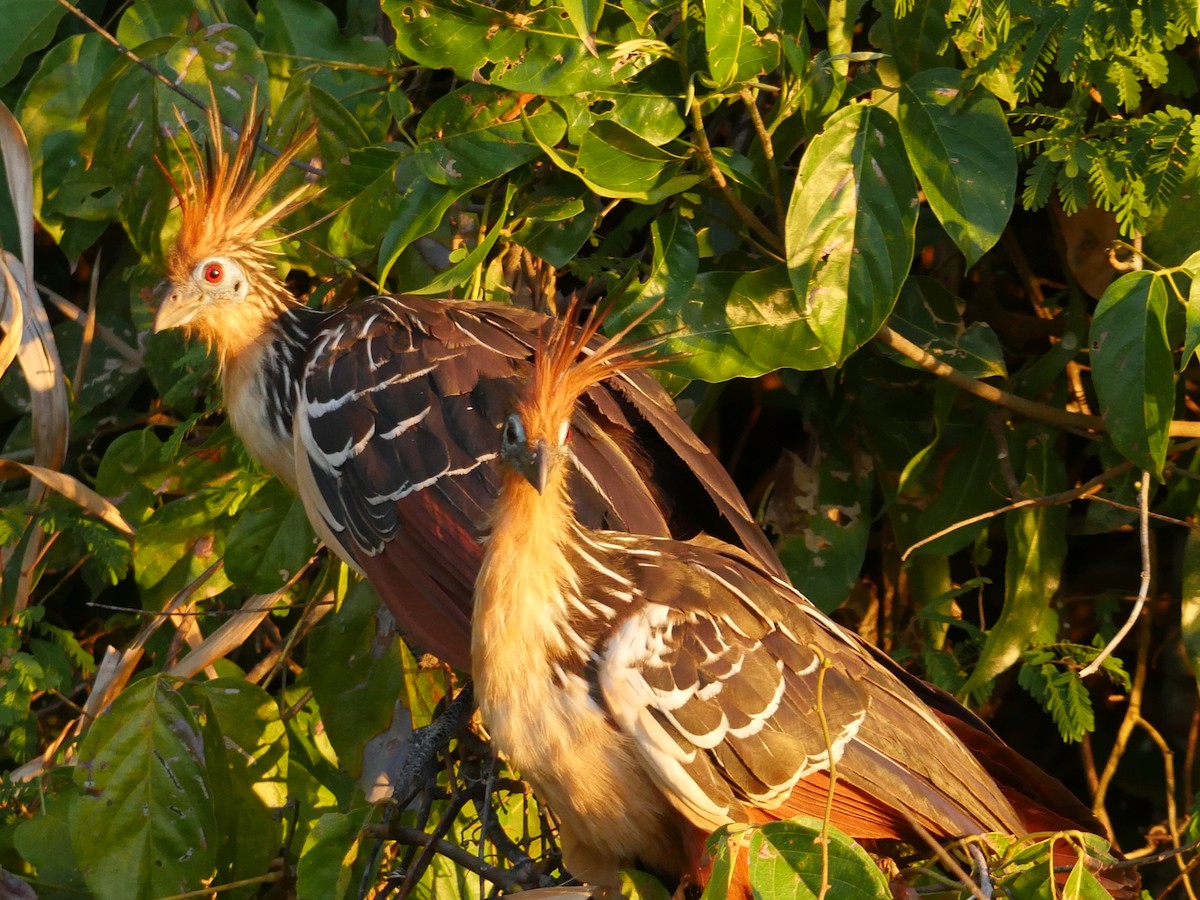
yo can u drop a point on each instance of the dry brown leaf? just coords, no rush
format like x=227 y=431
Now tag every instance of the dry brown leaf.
x=71 y=488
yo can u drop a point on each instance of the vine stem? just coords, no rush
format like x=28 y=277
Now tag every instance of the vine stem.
x=1143 y=588
x=1030 y=409
x=743 y=212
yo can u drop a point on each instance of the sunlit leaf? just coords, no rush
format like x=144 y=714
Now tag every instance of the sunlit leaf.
x=1133 y=367
x=849 y=229
x=144 y=824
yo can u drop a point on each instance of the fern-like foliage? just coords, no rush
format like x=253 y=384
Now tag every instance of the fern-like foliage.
x=1050 y=674
x=1112 y=142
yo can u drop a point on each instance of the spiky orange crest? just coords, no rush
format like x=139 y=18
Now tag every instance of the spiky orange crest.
x=565 y=366
x=220 y=203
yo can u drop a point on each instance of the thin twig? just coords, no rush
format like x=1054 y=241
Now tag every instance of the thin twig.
x=944 y=857
x=1172 y=813
x=1133 y=712
x=768 y=149
x=1143 y=588
x=981 y=866
x=829 y=754
x=503 y=878
x=743 y=212
x=1039 y=412
x=1077 y=493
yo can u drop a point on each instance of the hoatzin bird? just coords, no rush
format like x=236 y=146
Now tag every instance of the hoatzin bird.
x=383 y=414
x=652 y=690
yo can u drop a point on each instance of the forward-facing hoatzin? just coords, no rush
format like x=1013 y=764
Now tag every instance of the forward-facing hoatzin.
x=383 y=414
x=653 y=689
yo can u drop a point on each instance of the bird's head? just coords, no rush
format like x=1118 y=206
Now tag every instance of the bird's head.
x=534 y=440
x=221 y=279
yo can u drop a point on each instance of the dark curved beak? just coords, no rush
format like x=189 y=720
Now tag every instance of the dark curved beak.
x=536 y=465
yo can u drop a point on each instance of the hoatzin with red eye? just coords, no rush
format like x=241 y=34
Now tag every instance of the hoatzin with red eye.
x=652 y=690
x=383 y=414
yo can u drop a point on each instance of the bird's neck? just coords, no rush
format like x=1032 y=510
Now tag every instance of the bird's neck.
x=522 y=595
x=260 y=369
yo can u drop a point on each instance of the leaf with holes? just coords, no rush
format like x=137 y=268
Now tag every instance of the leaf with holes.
x=144 y=825
x=850 y=227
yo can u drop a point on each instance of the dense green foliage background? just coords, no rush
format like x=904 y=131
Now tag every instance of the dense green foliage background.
x=880 y=235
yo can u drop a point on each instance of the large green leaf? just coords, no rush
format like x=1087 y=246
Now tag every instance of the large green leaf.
x=1037 y=546
x=1133 y=368
x=914 y=36
x=68 y=197
x=244 y=736
x=722 y=39
x=737 y=324
x=850 y=226
x=28 y=27
x=959 y=145
x=785 y=859
x=614 y=162
x=270 y=541
x=332 y=857
x=932 y=318
x=144 y=825
x=356 y=673
x=536 y=52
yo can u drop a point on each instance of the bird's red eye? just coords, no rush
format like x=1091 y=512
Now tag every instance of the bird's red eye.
x=213 y=273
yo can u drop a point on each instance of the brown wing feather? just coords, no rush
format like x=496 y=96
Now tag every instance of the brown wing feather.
x=398 y=419
x=723 y=677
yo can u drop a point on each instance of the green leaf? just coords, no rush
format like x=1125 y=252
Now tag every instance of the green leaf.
x=245 y=736
x=1082 y=884
x=915 y=37
x=29 y=25
x=735 y=324
x=672 y=271
x=44 y=841
x=536 y=52
x=850 y=227
x=331 y=860
x=64 y=192
x=1133 y=369
x=144 y=825
x=464 y=268
x=270 y=541
x=1192 y=334
x=1037 y=546
x=932 y=318
x=356 y=673
x=784 y=859
x=585 y=16
x=960 y=147
x=614 y=162
x=722 y=39
x=465 y=140
x=1064 y=696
